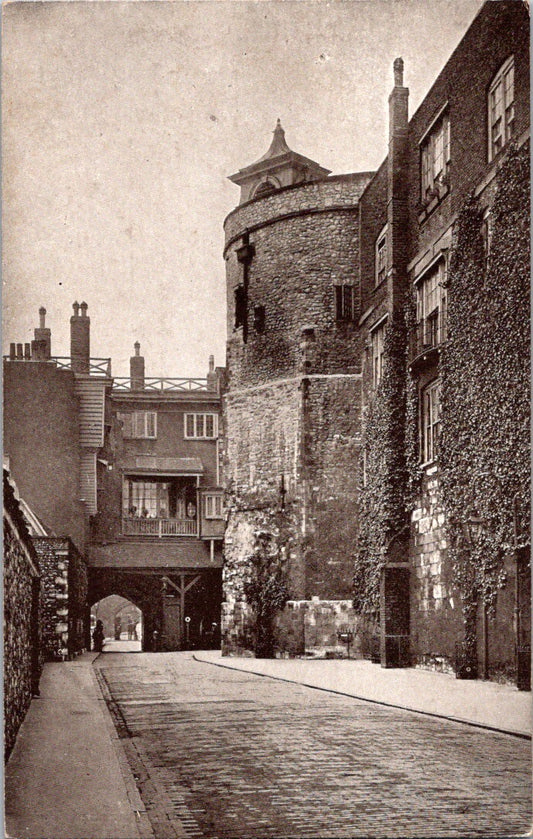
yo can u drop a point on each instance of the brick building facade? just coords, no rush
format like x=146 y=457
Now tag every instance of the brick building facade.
x=121 y=476
x=53 y=427
x=157 y=535
x=343 y=361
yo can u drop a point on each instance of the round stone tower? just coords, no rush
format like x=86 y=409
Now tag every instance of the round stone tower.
x=292 y=406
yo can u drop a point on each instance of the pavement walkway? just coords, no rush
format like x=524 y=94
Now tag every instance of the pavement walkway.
x=67 y=776
x=484 y=704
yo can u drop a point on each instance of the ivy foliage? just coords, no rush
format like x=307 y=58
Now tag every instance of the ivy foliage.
x=263 y=571
x=266 y=590
x=383 y=498
x=484 y=446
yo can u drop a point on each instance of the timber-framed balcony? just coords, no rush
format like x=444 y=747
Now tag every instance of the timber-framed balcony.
x=159 y=527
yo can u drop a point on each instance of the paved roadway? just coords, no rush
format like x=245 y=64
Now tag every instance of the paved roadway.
x=219 y=754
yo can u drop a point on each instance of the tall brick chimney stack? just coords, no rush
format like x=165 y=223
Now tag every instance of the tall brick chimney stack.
x=80 y=336
x=397 y=182
x=41 y=346
x=212 y=378
x=137 y=369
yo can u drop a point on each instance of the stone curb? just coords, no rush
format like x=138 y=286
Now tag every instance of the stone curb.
x=134 y=798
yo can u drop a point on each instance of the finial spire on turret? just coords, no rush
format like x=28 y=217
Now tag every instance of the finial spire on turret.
x=278 y=168
x=278 y=145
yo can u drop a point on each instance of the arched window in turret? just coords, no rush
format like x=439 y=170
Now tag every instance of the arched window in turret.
x=266 y=187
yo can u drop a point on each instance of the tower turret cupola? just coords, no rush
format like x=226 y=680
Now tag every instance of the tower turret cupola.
x=279 y=167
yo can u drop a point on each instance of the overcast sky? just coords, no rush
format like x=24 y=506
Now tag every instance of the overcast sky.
x=122 y=121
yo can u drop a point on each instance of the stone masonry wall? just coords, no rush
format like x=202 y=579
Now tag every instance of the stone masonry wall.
x=21 y=626
x=436 y=621
x=305 y=242
x=64 y=576
x=332 y=415
x=292 y=405
x=262 y=438
x=305 y=627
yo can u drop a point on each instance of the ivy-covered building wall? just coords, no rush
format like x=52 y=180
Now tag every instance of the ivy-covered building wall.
x=445 y=495
x=378 y=371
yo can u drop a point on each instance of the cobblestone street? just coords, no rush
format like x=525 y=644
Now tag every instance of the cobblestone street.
x=218 y=753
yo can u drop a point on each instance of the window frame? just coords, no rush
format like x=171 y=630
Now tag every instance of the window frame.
x=431 y=319
x=430 y=421
x=498 y=111
x=131 y=421
x=380 y=257
x=435 y=158
x=203 y=425
x=216 y=499
x=344 y=302
x=377 y=338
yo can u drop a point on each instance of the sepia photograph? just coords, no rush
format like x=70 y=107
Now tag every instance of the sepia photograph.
x=266 y=419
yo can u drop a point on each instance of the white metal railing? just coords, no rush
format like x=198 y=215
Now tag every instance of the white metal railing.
x=161 y=385
x=158 y=527
x=98 y=367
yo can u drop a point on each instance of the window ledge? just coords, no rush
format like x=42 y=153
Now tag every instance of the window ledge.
x=430 y=466
x=428 y=208
x=381 y=282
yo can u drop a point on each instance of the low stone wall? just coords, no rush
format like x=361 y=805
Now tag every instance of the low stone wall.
x=305 y=627
x=313 y=626
x=22 y=662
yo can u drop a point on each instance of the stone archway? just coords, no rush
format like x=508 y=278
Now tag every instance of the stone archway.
x=122 y=621
x=180 y=607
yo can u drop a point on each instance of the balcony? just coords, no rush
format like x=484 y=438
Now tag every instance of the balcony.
x=158 y=527
x=426 y=340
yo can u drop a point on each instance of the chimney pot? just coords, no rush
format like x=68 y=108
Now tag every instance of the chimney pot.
x=20 y=351
x=42 y=316
x=80 y=339
x=27 y=351
x=211 y=363
x=398 y=72
x=137 y=369
x=12 y=351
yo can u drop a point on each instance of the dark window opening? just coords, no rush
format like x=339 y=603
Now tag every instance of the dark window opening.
x=240 y=307
x=259 y=319
x=344 y=308
x=266 y=188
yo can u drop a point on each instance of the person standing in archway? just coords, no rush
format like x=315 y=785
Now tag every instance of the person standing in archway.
x=98 y=637
x=118 y=627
